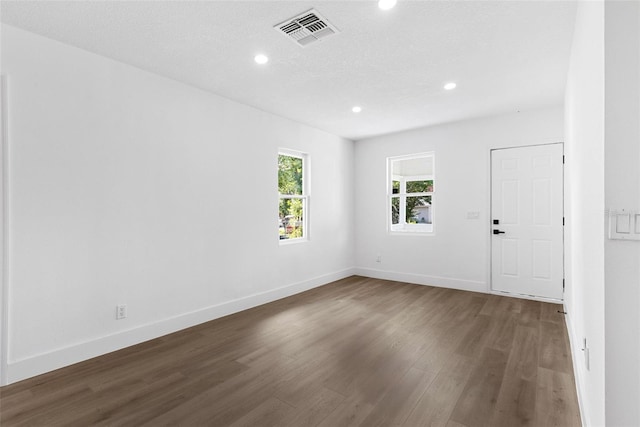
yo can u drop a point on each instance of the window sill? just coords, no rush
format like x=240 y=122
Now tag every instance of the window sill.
x=287 y=242
x=412 y=231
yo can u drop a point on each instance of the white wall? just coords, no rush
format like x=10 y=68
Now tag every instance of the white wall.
x=622 y=190
x=457 y=254
x=128 y=188
x=603 y=152
x=584 y=227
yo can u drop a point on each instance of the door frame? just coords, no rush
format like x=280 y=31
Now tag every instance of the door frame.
x=4 y=233
x=489 y=226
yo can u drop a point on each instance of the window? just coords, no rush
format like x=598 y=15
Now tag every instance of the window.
x=410 y=190
x=294 y=197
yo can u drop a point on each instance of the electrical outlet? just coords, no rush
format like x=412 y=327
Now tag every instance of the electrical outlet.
x=379 y=258
x=121 y=311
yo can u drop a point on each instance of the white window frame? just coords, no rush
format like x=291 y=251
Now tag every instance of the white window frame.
x=403 y=228
x=305 y=197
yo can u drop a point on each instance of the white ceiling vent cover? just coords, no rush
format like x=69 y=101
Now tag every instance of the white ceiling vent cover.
x=307 y=28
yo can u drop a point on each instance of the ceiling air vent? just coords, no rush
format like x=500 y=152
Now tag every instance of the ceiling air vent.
x=307 y=28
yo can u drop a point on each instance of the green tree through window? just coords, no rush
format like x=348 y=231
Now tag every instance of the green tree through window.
x=411 y=192
x=412 y=203
x=292 y=197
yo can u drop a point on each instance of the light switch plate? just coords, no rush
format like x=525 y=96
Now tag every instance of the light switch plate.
x=624 y=224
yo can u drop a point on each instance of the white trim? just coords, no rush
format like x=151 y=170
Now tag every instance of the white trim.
x=488 y=242
x=292 y=153
x=443 y=282
x=412 y=178
x=422 y=279
x=42 y=363
x=4 y=233
x=413 y=156
x=419 y=228
x=577 y=373
x=424 y=193
x=294 y=241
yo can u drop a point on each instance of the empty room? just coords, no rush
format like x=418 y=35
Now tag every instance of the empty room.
x=320 y=213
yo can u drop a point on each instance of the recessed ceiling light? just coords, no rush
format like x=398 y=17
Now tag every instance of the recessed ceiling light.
x=261 y=59
x=356 y=109
x=386 y=4
x=450 y=86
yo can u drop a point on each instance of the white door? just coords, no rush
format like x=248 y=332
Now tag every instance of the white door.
x=527 y=221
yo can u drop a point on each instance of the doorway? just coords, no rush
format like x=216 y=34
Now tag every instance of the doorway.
x=527 y=243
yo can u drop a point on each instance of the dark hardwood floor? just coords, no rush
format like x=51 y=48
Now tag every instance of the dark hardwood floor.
x=354 y=352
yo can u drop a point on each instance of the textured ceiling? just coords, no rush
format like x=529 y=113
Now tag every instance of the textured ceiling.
x=505 y=56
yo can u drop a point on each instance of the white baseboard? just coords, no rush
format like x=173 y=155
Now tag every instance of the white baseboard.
x=420 y=279
x=575 y=348
x=42 y=363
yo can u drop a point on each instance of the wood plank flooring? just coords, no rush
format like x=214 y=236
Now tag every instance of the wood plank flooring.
x=354 y=352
